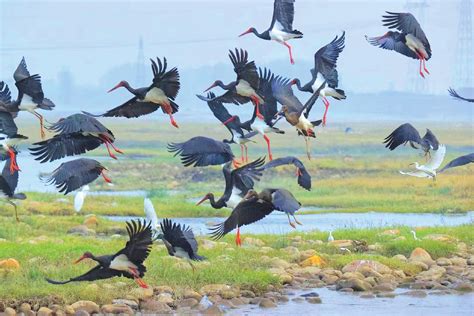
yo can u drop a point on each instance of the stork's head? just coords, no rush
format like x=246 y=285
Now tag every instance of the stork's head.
x=206 y=197
x=249 y=30
x=122 y=83
x=86 y=255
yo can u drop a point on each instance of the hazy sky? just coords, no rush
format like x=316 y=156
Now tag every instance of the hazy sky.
x=90 y=37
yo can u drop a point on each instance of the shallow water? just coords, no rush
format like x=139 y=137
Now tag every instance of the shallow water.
x=277 y=223
x=339 y=303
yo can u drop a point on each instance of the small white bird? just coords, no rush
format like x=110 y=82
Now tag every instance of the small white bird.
x=414 y=235
x=150 y=213
x=330 y=238
x=429 y=169
x=80 y=197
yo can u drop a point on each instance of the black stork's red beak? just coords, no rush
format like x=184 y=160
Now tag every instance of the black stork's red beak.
x=246 y=32
x=120 y=84
x=212 y=86
x=206 y=197
x=80 y=259
x=229 y=120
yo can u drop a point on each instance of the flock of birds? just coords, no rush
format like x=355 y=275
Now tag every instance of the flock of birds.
x=83 y=132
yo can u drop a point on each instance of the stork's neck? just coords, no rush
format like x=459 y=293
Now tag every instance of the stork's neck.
x=216 y=204
x=130 y=89
x=229 y=86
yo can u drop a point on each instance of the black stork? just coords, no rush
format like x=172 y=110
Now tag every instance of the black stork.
x=30 y=94
x=294 y=111
x=237 y=183
x=253 y=208
x=454 y=94
x=244 y=88
x=411 y=41
x=281 y=29
x=180 y=241
x=202 y=151
x=324 y=69
x=406 y=133
x=459 y=161
x=9 y=139
x=161 y=93
x=232 y=123
x=128 y=262
x=76 y=134
x=74 y=174
x=304 y=178
x=8 y=184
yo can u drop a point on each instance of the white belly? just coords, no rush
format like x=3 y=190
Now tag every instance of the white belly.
x=304 y=124
x=157 y=96
x=243 y=88
x=234 y=199
x=180 y=253
x=260 y=126
x=27 y=104
x=415 y=44
x=318 y=82
x=121 y=263
x=278 y=35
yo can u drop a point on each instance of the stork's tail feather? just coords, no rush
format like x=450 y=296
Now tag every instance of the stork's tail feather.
x=57 y=282
x=277 y=130
x=341 y=94
x=47 y=104
x=198 y=258
x=298 y=33
x=174 y=106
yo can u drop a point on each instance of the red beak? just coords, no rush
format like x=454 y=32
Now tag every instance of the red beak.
x=80 y=259
x=213 y=85
x=202 y=200
x=116 y=87
x=292 y=82
x=229 y=120
x=246 y=32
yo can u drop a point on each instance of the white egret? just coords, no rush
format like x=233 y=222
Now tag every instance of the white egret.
x=330 y=238
x=428 y=170
x=80 y=197
x=150 y=213
x=414 y=235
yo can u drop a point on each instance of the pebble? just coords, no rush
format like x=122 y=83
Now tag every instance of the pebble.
x=416 y=293
x=44 y=311
x=88 y=306
x=314 y=300
x=117 y=309
x=464 y=287
x=267 y=303
x=213 y=310
x=9 y=311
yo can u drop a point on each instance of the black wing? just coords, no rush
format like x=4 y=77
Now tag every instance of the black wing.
x=304 y=178
x=431 y=139
x=325 y=59
x=269 y=108
x=406 y=23
x=244 y=69
x=179 y=236
x=228 y=97
x=216 y=106
x=244 y=177
x=140 y=241
x=401 y=135
x=392 y=41
x=9 y=180
x=131 y=108
x=27 y=84
x=283 y=13
x=460 y=161
x=63 y=145
x=283 y=93
x=245 y=213
x=202 y=151
x=168 y=81
x=5 y=97
x=72 y=175
x=452 y=93
x=96 y=273
x=7 y=124
x=79 y=123
x=284 y=201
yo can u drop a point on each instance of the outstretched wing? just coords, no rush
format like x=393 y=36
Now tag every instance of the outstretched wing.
x=406 y=23
x=168 y=81
x=283 y=15
x=7 y=124
x=216 y=106
x=96 y=273
x=326 y=57
x=244 y=177
x=304 y=178
x=401 y=135
x=140 y=241
x=284 y=201
x=244 y=69
x=437 y=157
x=27 y=84
x=132 y=108
x=452 y=93
x=460 y=161
x=78 y=123
x=179 y=236
x=431 y=139
x=392 y=41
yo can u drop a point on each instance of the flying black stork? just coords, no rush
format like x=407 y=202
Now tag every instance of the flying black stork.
x=253 y=208
x=76 y=134
x=454 y=94
x=411 y=41
x=30 y=94
x=180 y=241
x=324 y=69
x=459 y=161
x=244 y=88
x=202 y=151
x=232 y=122
x=8 y=184
x=9 y=139
x=304 y=178
x=294 y=111
x=237 y=183
x=161 y=93
x=74 y=174
x=128 y=262
x=406 y=133
x=281 y=29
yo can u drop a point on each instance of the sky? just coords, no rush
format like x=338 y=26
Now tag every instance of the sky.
x=88 y=38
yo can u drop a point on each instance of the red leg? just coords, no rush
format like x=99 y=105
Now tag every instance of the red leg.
x=420 y=58
x=326 y=104
x=173 y=122
x=138 y=280
x=40 y=117
x=235 y=163
x=107 y=179
x=256 y=102
x=291 y=54
x=108 y=140
x=268 y=147
x=238 y=242
x=108 y=149
x=424 y=66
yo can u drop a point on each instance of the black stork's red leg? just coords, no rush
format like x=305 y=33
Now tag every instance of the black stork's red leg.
x=107 y=179
x=268 y=147
x=238 y=241
x=326 y=104
x=138 y=280
x=256 y=102
x=420 y=57
x=292 y=61
x=40 y=117
x=169 y=111
x=108 y=140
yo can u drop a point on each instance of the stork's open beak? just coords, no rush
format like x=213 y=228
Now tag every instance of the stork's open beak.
x=246 y=32
x=212 y=86
x=206 y=197
x=80 y=259
x=116 y=87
